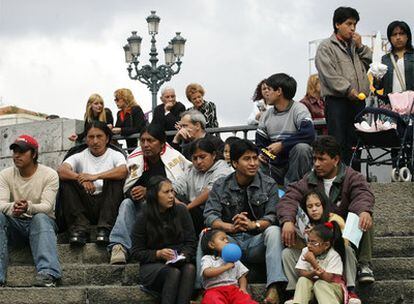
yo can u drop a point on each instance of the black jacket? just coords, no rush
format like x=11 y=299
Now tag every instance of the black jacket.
x=134 y=121
x=144 y=249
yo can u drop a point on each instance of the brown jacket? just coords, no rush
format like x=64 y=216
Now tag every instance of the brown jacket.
x=350 y=192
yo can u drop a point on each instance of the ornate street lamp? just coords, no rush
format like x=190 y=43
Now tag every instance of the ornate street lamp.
x=152 y=75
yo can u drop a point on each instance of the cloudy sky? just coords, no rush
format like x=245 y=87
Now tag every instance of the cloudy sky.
x=56 y=53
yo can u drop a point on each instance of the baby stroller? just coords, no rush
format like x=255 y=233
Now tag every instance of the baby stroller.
x=390 y=132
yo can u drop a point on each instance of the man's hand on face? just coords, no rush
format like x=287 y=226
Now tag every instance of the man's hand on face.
x=168 y=106
x=19 y=207
x=138 y=193
x=358 y=40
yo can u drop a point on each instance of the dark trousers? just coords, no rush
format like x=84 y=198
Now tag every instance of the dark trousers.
x=81 y=209
x=365 y=247
x=340 y=115
x=175 y=284
x=198 y=219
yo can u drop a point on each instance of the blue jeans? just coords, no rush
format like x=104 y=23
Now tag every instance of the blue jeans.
x=125 y=222
x=265 y=247
x=40 y=231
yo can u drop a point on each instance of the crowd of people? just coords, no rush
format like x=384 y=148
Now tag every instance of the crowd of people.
x=174 y=203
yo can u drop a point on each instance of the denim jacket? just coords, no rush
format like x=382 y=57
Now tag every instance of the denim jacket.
x=226 y=199
x=387 y=80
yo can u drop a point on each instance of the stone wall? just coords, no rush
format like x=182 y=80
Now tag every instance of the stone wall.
x=52 y=136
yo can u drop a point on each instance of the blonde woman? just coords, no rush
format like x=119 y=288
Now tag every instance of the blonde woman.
x=95 y=111
x=130 y=117
x=195 y=94
x=312 y=99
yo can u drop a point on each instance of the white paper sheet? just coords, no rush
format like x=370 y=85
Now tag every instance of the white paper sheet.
x=352 y=232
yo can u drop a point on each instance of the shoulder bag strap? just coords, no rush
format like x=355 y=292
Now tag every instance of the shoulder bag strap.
x=397 y=70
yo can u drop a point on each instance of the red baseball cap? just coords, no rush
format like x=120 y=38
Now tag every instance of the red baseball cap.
x=25 y=142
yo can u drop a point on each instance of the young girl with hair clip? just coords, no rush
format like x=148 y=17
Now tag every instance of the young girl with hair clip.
x=224 y=282
x=321 y=266
x=315 y=206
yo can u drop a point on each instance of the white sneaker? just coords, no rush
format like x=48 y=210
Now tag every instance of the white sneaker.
x=354 y=301
x=118 y=255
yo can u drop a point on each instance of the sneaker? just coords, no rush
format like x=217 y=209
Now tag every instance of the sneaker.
x=365 y=274
x=44 y=280
x=353 y=298
x=118 y=255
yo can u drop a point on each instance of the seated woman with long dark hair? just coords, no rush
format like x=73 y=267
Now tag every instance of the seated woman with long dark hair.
x=164 y=231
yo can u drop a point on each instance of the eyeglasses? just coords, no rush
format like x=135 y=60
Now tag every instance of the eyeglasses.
x=315 y=244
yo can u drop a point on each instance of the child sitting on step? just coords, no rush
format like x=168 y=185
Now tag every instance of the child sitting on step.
x=320 y=267
x=224 y=282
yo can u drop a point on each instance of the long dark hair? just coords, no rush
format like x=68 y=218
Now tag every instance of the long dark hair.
x=160 y=229
x=207 y=236
x=405 y=28
x=324 y=200
x=331 y=232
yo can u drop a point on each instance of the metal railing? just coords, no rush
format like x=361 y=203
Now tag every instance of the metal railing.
x=234 y=130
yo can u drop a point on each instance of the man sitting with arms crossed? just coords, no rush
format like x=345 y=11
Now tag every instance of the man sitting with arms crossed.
x=92 y=186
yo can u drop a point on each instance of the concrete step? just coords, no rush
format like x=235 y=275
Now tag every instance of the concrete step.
x=75 y=295
x=125 y=275
x=397 y=246
x=394 y=246
x=393 y=199
x=394 y=226
x=383 y=292
x=393 y=268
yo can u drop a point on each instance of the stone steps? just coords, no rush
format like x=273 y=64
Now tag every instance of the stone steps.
x=104 y=274
x=397 y=246
x=88 y=278
x=394 y=226
x=383 y=292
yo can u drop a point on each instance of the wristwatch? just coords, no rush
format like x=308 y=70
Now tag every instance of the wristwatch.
x=257 y=224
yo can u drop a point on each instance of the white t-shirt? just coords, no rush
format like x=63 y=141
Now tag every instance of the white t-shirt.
x=396 y=85
x=327 y=184
x=227 y=278
x=331 y=262
x=85 y=162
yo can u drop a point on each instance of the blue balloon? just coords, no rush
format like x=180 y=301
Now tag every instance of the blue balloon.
x=231 y=253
